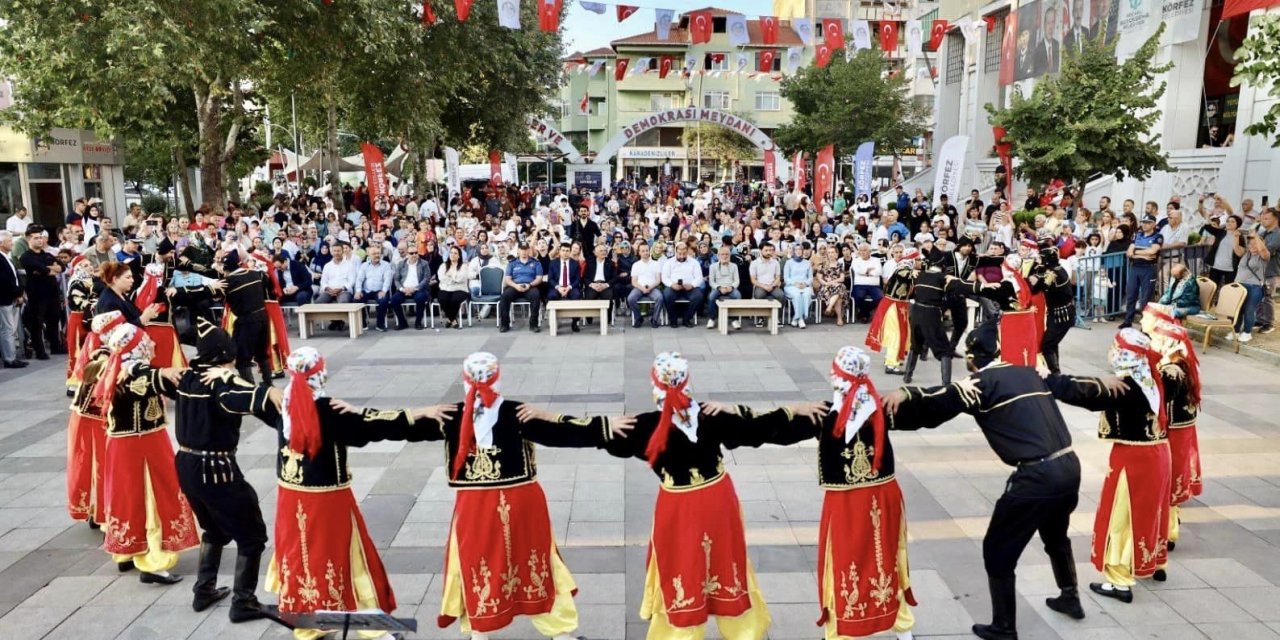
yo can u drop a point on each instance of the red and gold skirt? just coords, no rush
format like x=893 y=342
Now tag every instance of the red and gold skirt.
x=168 y=349
x=86 y=463
x=697 y=561
x=1131 y=529
x=145 y=508
x=864 y=584
x=890 y=330
x=501 y=561
x=278 y=336
x=1041 y=309
x=1019 y=337
x=324 y=558
x=75 y=338
x=1184 y=448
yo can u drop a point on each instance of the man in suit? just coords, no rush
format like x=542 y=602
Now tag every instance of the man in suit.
x=584 y=229
x=410 y=282
x=565 y=280
x=600 y=277
x=295 y=280
x=1026 y=62
x=1079 y=32
x=10 y=297
x=1048 y=52
x=44 y=309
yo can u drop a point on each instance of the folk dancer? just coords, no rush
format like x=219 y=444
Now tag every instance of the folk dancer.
x=324 y=558
x=890 y=329
x=1021 y=422
x=1131 y=529
x=1053 y=281
x=245 y=314
x=160 y=328
x=697 y=564
x=277 y=332
x=933 y=287
x=87 y=428
x=193 y=272
x=1019 y=339
x=501 y=559
x=210 y=403
x=148 y=519
x=864 y=585
x=1029 y=251
x=1180 y=375
x=81 y=299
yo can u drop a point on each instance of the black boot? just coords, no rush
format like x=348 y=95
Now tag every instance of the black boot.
x=1068 y=602
x=244 y=604
x=912 y=357
x=946 y=369
x=245 y=373
x=1051 y=361
x=207 y=592
x=1004 y=609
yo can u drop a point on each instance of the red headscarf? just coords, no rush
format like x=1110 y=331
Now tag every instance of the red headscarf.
x=674 y=400
x=104 y=390
x=846 y=408
x=304 y=419
x=467 y=434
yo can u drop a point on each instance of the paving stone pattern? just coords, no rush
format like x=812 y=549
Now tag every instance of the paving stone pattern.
x=55 y=582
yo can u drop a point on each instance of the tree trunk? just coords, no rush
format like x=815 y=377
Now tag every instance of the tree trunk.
x=208 y=110
x=331 y=143
x=184 y=181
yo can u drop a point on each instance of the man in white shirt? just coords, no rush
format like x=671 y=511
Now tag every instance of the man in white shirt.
x=766 y=276
x=646 y=275
x=338 y=278
x=682 y=277
x=18 y=222
x=866 y=270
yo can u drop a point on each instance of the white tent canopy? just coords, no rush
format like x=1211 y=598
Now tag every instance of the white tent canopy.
x=355 y=163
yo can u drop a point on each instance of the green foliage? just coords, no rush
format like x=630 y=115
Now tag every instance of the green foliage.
x=1111 y=108
x=262 y=188
x=848 y=103
x=720 y=143
x=154 y=204
x=1028 y=217
x=309 y=182
x=1258 y=64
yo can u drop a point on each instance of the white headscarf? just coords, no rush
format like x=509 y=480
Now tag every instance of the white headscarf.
x=482 y=367
x=854 y=362
x=301 y=360
x=670 y=369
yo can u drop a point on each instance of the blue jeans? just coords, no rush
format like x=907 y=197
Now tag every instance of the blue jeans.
x=692 y=296
x=713 y=308
x=372 y=296
x=1249 y=310
x=1138 y=288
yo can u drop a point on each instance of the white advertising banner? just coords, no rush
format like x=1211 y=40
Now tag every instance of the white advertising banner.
x=948 y=168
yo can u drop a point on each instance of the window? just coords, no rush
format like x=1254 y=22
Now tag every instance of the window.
x=768 y=101
x=663 y=101
x=718 y=61
x=991 y=45
x=715 y=100
x=719 y=24
x=955 y=58
x=564 y=110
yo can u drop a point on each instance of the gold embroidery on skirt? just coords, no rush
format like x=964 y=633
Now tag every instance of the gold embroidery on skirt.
x=538 y=575
x=711 y=584
x=118 y=532
x=307 y=583
x=510 y=576
x=483 y=601
x=881 y=586
x=849 y=591
x=286 y=599
x=679 y=601
x=335 y=592
x=82 y=503
x=181 y=526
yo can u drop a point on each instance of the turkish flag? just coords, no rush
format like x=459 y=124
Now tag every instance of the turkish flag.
x=798 y=165
x=991 y=23
x=764 y=63
x=495 y=167
x=464 y=9
x=823 y=55
x=664 y=66
x=888 y=35
x=936 y=32
x=769 y=29
x=825 y=170
x=717 y=58
x=625 y=11
x=700 y=27
x=1009 y=49
x=620 y=68
x=1233 y=8
x=1003 y=150
x=549 y=14
x=832 y=34
x=428 y=16
x=584 y=107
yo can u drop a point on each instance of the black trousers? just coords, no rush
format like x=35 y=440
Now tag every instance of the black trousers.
x=1054 y=332
x=509 y=295
x=1037 y=499
x=225 y=505
x=927 y=332
x=451 y=303
x=591 y=294
x=198 y=304
x=251 y=338
x=43 y=318
x=958 y=307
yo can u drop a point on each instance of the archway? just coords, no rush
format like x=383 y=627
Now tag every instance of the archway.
x=548 y=133
x=745 y=128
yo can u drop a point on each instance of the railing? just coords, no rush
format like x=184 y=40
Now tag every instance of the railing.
x=1101 y=281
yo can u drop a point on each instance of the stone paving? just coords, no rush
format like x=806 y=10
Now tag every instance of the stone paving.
x=1223 y=582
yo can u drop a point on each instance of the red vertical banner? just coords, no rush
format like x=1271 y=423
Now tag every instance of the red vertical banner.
x=495 y=167
x=798 y=167
x=770 y=168
x=428 y=15
x=1008 y=49
x=764 y=61
x=1003 y=151
x=464 y=9
x=375 y=175
x=822 y=55
x=620 y=68
x=824 y=169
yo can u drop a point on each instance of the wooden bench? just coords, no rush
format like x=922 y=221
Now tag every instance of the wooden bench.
x=749 y=308
x=352 y=313
x=578 y=309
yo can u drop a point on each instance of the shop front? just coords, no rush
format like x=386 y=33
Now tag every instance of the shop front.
x=48 y=173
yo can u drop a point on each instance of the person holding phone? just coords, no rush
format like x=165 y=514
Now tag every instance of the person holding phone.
x=683 y=280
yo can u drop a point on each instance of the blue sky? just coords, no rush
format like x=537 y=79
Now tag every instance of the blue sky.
x=584 y=30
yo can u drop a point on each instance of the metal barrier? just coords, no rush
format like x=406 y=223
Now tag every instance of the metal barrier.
x=1101 y=280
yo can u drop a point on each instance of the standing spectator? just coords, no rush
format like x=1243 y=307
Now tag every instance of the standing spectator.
x=524 y=275
x=454 y=276
x=646 y=275
x=1222 y=257
x=724 y=280
x=18 y=222
x=1269 y=233
x=410 y=283
x=1251 y=273
x=10 y=297
x=797 y=276
x=43 y=309
x=1144 y=257
x=584 y=229
x=373 y=282
x=683 y=280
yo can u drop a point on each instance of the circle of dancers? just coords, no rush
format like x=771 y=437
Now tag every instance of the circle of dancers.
x=501 y=559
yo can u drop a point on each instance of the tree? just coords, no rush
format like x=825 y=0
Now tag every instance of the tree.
x=1111 y=107
x=721 y=143
x=848 y=103
x=1258 y=64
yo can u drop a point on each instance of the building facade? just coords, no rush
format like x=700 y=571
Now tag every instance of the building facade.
x=1202 y=116
x=47 y=174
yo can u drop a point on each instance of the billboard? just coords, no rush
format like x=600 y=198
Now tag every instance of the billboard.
x=1047 y=29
